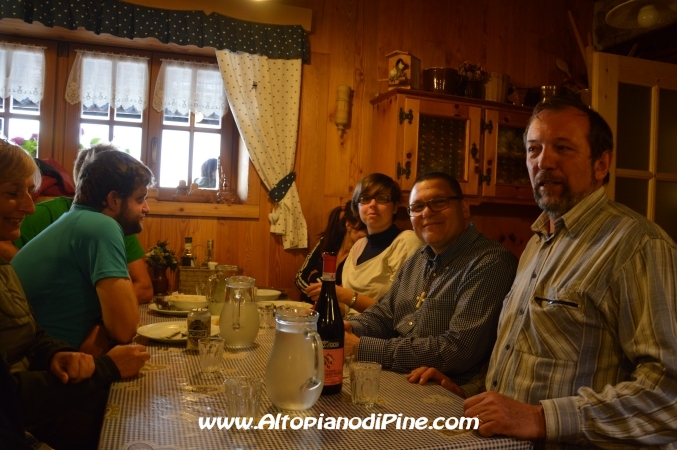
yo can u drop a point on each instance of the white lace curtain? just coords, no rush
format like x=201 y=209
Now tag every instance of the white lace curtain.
x=22 y=71
x=108 y=78
x=188 y=86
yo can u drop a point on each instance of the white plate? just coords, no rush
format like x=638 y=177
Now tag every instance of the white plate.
x=168 y=312
x=289 y=303
x=159 y=331
x=267 y=294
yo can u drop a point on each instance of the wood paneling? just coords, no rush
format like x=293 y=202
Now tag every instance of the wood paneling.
x=349 y=41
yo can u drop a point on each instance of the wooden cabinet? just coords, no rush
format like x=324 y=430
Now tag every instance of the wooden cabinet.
x=478 y=142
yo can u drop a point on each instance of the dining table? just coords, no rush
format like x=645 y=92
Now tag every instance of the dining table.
x=162 y=407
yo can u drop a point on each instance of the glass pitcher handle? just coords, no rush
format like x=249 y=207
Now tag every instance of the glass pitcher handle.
x=237 y=309
x=317 y=379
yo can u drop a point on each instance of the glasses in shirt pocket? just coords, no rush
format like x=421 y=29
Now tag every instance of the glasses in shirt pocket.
x=544 y=302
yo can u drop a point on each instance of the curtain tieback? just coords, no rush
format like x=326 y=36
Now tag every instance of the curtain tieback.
x=278 y=191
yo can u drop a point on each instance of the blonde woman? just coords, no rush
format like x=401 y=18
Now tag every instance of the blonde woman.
x=59 y=393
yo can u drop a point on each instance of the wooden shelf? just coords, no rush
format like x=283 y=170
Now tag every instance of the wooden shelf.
x=163 y=208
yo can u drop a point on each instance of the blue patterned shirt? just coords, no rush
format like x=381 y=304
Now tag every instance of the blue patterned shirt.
x=455 y=328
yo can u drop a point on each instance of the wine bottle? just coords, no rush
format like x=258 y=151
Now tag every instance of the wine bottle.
x=209 y=256
x=187 y=258
x=330 y=327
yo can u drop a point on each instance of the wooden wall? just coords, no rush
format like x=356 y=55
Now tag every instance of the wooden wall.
x=349 y=41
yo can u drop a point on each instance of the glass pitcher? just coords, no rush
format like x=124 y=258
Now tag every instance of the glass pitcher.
x=295 y=369
x=239 y=316
x=216 y=288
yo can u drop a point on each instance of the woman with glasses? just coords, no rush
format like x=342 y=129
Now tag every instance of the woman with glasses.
x=343 y=229
x=375 y=259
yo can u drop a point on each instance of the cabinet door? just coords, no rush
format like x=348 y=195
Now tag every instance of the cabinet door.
x=442 y=136
x=638 y=98
x=505 y=172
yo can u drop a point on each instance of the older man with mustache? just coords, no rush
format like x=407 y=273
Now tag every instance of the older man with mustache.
x=586 y=353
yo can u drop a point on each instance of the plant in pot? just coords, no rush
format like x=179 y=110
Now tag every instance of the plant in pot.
x=473 y=79
x=159 y=258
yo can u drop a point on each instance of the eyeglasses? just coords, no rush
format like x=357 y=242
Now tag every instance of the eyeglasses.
x=436 y=204
x=380 y=199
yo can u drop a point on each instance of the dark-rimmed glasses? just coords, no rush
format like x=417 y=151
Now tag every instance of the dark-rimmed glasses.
x=435 y=204
x=380 y=199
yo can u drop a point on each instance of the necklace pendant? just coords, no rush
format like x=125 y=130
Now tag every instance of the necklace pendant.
x=420 y=299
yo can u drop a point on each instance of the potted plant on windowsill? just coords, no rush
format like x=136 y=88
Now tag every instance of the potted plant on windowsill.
x=159 y=258
x=473 y=80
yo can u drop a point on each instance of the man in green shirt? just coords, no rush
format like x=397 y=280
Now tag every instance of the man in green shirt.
x=49 y=211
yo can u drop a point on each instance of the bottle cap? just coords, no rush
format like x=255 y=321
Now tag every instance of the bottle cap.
x=328 y=262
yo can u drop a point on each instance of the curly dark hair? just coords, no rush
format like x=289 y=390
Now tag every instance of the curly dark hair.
x=110 y=171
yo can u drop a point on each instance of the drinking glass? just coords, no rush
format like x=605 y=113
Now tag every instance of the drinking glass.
x=266 y=316
x=211 y=352
x=243 y=395
x=364 y=383
x=349 y=355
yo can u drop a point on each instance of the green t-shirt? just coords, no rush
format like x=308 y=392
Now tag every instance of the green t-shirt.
x=46 y=214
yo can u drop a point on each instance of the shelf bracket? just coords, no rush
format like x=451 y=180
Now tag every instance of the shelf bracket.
x=408 y=116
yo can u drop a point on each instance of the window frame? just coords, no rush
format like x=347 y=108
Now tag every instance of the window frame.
x=229 y=133
x=231 y=149
x=47 y=104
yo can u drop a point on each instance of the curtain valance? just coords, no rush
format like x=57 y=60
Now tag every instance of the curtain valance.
x=108 y=79
x=188 y=86
x=168 y=26
x=22 y=72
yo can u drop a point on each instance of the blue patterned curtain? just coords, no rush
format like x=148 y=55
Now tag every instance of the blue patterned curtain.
x=178 y=27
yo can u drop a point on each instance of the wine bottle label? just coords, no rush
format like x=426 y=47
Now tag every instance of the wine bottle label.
x=333 y=363
x=328 y=276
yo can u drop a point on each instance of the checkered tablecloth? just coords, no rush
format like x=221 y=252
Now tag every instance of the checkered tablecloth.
x=159 y=410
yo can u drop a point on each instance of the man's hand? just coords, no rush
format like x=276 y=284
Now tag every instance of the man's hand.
x=424 y=374
x=71 y=367
x=350 y=338
x=129 y=359
x=499 y=414
x=347 y=327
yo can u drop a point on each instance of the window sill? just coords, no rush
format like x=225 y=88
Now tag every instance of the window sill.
x=167 y=208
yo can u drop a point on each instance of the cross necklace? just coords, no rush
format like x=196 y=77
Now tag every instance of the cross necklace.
x=420 y=298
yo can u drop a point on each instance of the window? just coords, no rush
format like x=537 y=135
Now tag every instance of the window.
x=112 y=92
x=175 y=137
x=22 y=72
x=190 y=97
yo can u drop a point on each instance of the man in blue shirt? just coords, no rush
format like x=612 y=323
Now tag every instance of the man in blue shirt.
x=443 y=306
x=75 y=272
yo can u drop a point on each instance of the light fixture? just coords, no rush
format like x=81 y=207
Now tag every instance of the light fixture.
x=342 y=114
x=648 y=16
x=635 y=14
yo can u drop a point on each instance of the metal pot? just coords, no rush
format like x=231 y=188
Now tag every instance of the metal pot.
x=553 y=91
x=444 y=80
